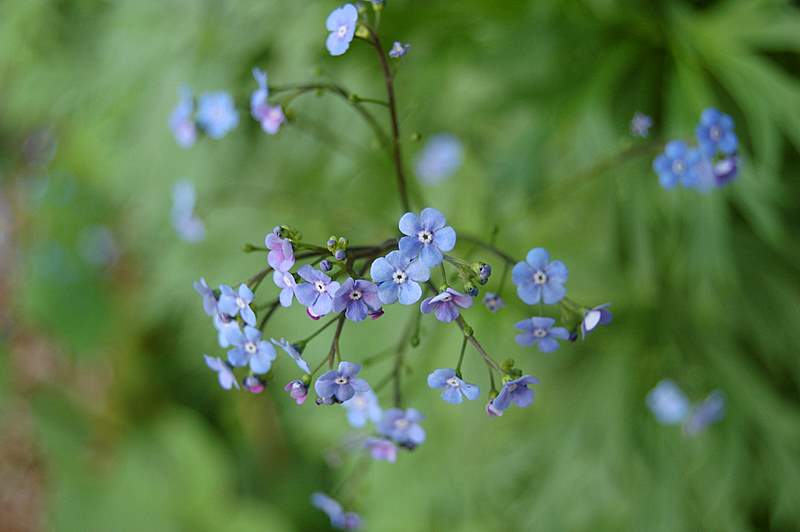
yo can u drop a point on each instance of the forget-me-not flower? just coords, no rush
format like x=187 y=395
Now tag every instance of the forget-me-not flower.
x=342 y=25
x=640 y=125
x=227 y=379
x=540 y=331
x=281 y=253
x=668 y=403
x=209 y=299
x=216 y=114
x=235 y=303
x=250 y=349
x=285 y=281
x=493 y=301
x=445 y=305
x=725 y=170
x=441 y=156
x=453 y=387
x=539 y=279
x=362 y=408
x=381 y=449
x=317 y=292
x=341 y=384
x=599 y=315
x=427 y=236
x=399 y=49
x=357 y=298
x=403 y=426
x=515 y=391
x=674 y=165
x=715 y=133
x=398 y=278
x=298 y=390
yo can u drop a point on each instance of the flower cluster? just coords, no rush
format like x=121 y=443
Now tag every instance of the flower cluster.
x=712 y=163
x=670 y=406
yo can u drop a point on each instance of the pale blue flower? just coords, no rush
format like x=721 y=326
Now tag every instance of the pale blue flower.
x=452 y=386
x=341 y=384
x=403 y=426
x=235 y=303
x=250 y=349
x=398 y=278
x=363 y=407
x=227 y=379
x=539 y=279
x=715 y=133
x=540 y=331
x=427 y=236
x=269 y=116
x=181 y=121
x=342 y=25
x=216 y=114
x=441 y=156
x=668 y=403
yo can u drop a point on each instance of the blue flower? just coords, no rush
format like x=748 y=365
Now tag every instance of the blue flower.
x=715 y=133
x=188 y=226
x=227 y=379
x=249 y=348
x=270 y=117
x=181 y=121
x=342 y=25
x=209 y=299
x=668 y=403
x=237 y=303
x=361 y=408
x=599 y=315
x=216 y=114
x=673 y=166
x=357 y=298
x=292 y=352
x=397 y=277
x=340 y=384
x=540 y=331
x=339 y=518
x=381 y=449
x=403 y=427
x=640 y=125
x=445 y=305
x=538 y=279
x=452 y=385
x=317 y=293
x=441 y=156
x=285 y=281
x=709 y=411
x=701 y=171
x=427 y=236
x=493 y=302
x=726 y=170
x=399 y=49
x=514 y=391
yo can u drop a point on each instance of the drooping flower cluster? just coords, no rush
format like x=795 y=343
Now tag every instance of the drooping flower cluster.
x=670 y=406
x=713 y=163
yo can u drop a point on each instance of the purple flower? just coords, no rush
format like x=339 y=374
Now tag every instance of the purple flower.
x=227 y=379
x=715 y=132
x=181 y=121
x=538 y=279
x=673 y=166
x=540 y=331
x=292 y=352
x=253 y=384
x=725 y=170
x=233 y=303
x=445 y=305
x=403 y=426
x=317 y=293
x=270 y=117
x=640 y=125
x=249 y=348
x=668 y=403
x=281 y=254
x=342 y=25
x=189 y=227
x=381 y=449
x=361 y=408
x=493 y=301
x=298 y=390
x=709 y=411
x=216 y=114
x=399 y=49
x=599 y=315
x=209 y=299
x=397 y=277
x=514 y=391
x=453 y=387
x=359 y=298
x=339 y=518
x=285 y=281
x=341 y=384
x=427 y=236
x=439 y=159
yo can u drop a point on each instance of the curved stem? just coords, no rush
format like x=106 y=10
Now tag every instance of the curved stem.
x=488 y=247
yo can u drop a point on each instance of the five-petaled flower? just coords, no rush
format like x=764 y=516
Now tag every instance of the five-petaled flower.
x=493 y=301
x=250 y=349
x=427 y=236
x=640 y=125
x=292 y=352
x=514 y=391
x=342 y=25
x=715 y=133
x=445 y=304
x=403 y=427
x=540 y=331
x=340 y=384
x=453 y=387
x=269 y=116
x=439 y=159
x=599 y=315
x=181 y=121
x=357 y=298
x=237 y=303
x=227 y=379
x=317 y=292
x=361 y=408
x=675 y=165
x=398 y=278
x=538 y=279
x=216 y=114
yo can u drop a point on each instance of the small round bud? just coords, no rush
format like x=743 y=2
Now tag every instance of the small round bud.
x=468 y=330
x=342 y=242
x=470 y=289
x=340 y=255
x=248 y=248
x=306 y=378
x=253 y=384
x=331 y=243
x=325 y=265
x=375 y=314
x=416 y=137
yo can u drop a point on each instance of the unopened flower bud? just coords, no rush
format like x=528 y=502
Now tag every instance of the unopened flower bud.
x=340 y=255
x=253 y=384
x=325 y=265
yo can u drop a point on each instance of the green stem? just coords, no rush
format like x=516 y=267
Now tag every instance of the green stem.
x=272 y=308
x=477 y=345
x=318 y=331
x=461 y=356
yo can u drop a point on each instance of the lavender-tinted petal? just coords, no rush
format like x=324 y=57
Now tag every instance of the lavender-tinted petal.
x=261 y=361
x=540 y=322
x=248 y=316
x=409 y=293
x=325 y=388
x=525 y=339
x=381 y=270
x=452 y=395
x=462 y=300
x=529 y=293
x=237 y=357
x=548 y=344
x=427 y=306
x=370 y=297
x=227 y=304
x=286 y=296
x=410 y=246
x=445 y=238
x=387 y=292
x=349 y=369
x=356 y=311
x=322 y=306
x=553 y=292
x=559 y=332
x=522 y=397
x=557 y=271
x=306 y=294
x=360 y=385
x=417 y=271
x=471 y=391
x=525 y=325
x=307 y=273
x=431 y=219
x=416 y=434
x=438 y=378
x=344 y=392
x=503 y=399
x=213 y=363
x=409 y=224
x=336 y=45
x=446 y=312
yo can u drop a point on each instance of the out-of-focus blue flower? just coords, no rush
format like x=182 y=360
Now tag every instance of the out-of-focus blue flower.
x=224 y=323
x=493 y=301
x=188 y=226
x=715 y=133
x=640 y=125
x=341 y=384
x=540 y=331
x=399 y=49
x=292 y=352
x=342 y=25
x=285 y=281
x=298 y=390
x=253 y=384
x=381 y=449
x=726 y=170
x=317 y=292
x=269 y=116
x=709 y=411
x=209 y=299
x=514 y=391
x=673 y=166
x=281 y=253
x=227 y=379
x=249 y=348
x=363 y=407
x=538 y=279
x=427 y=236
x=452 y=386
x=216 y=114
x=237 y=303
x=403 y=426
x=398 y=278
x=599 y=315
x=441 y=156
x=445 y=305
x=339 y=518
x=357 y=299
x=668 y=403
x=181 y=121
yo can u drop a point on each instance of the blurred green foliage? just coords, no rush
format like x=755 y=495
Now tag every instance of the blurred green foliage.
x=128 y=428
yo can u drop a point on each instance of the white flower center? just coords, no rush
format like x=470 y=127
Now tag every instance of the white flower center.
x=678 y=167
x=453 y=382
x=425 y=236
x=355 y=295
x=319 y=286
x=539 y=333
x=715 y=133
x=401 y=423
x=250 y=347
x=240 y=302
x=342 y=31
x=399 y=277
x=341 y=380
x=446 y=297
x=539 y=277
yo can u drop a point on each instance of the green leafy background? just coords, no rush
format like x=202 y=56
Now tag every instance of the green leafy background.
x=110 y=421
